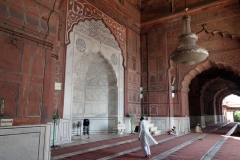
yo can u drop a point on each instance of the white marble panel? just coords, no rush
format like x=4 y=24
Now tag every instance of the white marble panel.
x=68 y=81
x=112 y=95
x=81 y=65
x=26 y=142
x=65 y=130
x=78 y=108
x=96 y=95
x=112 y=108
x=78 y=79
x=175 y=121
x=96 y=108
x=127 y=122
x=185 y=125
x=97 y=125
x=120 y=102
x=160 y=123
x=78 y=95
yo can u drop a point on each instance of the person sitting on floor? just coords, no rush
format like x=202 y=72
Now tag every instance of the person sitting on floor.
x=198 y=129
x=173 y=131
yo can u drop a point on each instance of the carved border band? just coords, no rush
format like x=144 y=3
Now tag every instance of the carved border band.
x=80 y=10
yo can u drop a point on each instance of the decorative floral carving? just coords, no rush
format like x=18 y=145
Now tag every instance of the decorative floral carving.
x=98 y=31
x=80 y=10
x=81 y=45
x=118 y=31
x=114 y=59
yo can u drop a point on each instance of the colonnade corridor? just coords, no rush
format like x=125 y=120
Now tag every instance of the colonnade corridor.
x=218 y=142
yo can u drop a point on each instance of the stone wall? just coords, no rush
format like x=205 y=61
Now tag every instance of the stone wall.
x=28 y=56
x=219 y=35
x=25 y=142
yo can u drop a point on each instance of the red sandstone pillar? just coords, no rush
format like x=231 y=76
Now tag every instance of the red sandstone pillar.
x=48 y=88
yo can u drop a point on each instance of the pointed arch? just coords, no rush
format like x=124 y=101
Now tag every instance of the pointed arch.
x=81 y=10
x=202 y=67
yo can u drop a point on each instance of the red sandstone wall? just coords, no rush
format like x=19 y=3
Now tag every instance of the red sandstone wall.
x=132 y=75
x=28 y=53
x=60 y=51
x=220 y=37
x=154 y=73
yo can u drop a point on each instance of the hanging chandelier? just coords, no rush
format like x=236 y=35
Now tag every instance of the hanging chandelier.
x=188 y=53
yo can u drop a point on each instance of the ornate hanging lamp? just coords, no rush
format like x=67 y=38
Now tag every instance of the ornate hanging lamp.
x=188 y=53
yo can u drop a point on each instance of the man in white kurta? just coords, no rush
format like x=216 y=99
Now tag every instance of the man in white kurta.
x=145 y=137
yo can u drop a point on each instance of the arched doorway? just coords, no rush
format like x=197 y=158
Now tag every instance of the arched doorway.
x=231 y=106
x=206 y=90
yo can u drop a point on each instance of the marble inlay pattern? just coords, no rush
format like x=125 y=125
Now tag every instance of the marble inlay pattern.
x=99 y=77
x=81 y=10
x=114 y=59
x=98 y=31
x=81 y=45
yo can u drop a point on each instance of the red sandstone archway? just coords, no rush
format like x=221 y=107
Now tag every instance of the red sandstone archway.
x=202 y=67
x=217 y=98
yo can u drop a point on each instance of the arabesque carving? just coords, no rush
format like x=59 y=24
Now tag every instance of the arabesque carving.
x=217 y=32
x=80 y=10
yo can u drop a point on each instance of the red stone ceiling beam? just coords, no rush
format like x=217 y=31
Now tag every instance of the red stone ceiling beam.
x=195 y=13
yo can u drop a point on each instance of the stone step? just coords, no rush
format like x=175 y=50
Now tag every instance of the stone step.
x=153 y=129
x=157 y=132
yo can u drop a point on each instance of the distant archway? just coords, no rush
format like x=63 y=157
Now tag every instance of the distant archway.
x=236 y=115
x=185 y=84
